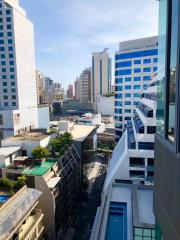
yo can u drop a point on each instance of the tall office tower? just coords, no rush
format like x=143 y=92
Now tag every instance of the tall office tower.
x=69 y=92
x=83 y=86
x=40 y=87
x=130 y=170
x=167 y=141
x=49 y=90
x=18 y=98
x=58 y=92
x=135 y=63
x=101 y=73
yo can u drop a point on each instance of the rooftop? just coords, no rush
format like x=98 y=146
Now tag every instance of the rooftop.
x=80 y=132
x=35 y=135
x=15 y=209
x=40 y=169
x=6 y=151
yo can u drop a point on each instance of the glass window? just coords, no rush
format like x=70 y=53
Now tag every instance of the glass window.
x=136 y=79
x=3 y=69
x=12 y=76
x=8 y=26
x=119 y=80
x=1 y=41
x=8 y=19
x=13 y=90
x=118 y=96
x=137 y=86
x=155 y=60
x=145 y=53
x=118 y=88
x=11 y=55
x=128 y=79
x=146 y=78
x=147 y=69
x=14 y=104
x=3 y=55
x=5 y=97
x=12 y=83
x=1 y=34
x=9 y=41
x=3 y=63
x=137 y=70
x=161 y=66
x=5 y=90
x=4 y=84
x=118 y=104
x=127 y=110
x=123 y=64
x=173 y=70
x=137 y=61
x=4 y=77
x=147 y=61
x=118 y=111
x=123 y=72
x=10 y=48
x=127 y=103
x=2 y=49
x=155 y=69
x=128 y=87
x=9 y=34
x=11 y=63
x=8 y=11
x=6 y=104
x=127 y=95
x=136 y=94
x=11 y=69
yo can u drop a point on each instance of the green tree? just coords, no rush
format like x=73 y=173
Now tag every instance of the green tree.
x=21 y=181
x=40 y=152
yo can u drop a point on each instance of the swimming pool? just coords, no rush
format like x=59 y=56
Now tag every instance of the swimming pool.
x=4 y=198
x=117 y=221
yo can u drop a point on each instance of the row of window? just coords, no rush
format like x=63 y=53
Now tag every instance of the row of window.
x=129 y=79
x=8 y=11
x=6 y=104
x=128 y=87
x=8 y=19
x=127 y=103
x=5 y=90
x=9 y=34
x=136 y=70
x=9 y=27
x=6 y=97
x=145 y=53
x=4 y=77
x=3 y=56
x=10 y=49
x=136 y=62
x=4 y=70
x=10 y=41
x=127 y=95
x=3 y=63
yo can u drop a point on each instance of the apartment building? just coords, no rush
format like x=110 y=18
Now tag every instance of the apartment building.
x=18 y=99
x=40 y=88
x=101 y=73
x=69 y=92
x=59 y=181
x=20 y=216
x=167 y=141
x=135 y=63
x=83 y=86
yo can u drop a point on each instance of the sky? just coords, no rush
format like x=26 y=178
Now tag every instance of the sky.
x=68 y=31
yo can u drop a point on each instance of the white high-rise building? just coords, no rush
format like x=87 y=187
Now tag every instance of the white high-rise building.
x=18 y=98
x=135 y=63
x=101 y=73
x=83 y=86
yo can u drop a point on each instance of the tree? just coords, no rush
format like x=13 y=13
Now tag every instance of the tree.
x=60 y=144
x=40 y=152
x=21 y=181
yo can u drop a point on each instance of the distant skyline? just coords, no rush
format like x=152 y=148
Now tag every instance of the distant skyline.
x=67 y=32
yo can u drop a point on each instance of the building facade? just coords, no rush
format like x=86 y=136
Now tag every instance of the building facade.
x=135 y=63
x=101 y=73
x=167 y=142
x=40 y=88
x=18 y=98
x=49 y=90
x=69 y=92
x=83 y=86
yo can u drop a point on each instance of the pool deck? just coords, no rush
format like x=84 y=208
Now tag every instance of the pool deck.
x=40 y=169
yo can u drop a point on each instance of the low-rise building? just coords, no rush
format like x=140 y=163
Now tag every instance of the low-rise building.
x=90 y=119
x=20 y=216
x=28 y=141
x=59 y=180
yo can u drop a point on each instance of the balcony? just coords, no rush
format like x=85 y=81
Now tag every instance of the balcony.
x=147 y=111
x=139 y=126
x=32 y=226
x=131 y=138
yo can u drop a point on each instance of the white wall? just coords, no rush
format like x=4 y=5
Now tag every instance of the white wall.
x=105 y=105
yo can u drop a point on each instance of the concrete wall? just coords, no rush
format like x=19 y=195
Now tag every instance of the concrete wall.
x=43 y=118
x=105 y=105
x=167 y=190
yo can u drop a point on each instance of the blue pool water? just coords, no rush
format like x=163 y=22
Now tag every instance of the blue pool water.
x=117 y=221
x=3 y=198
